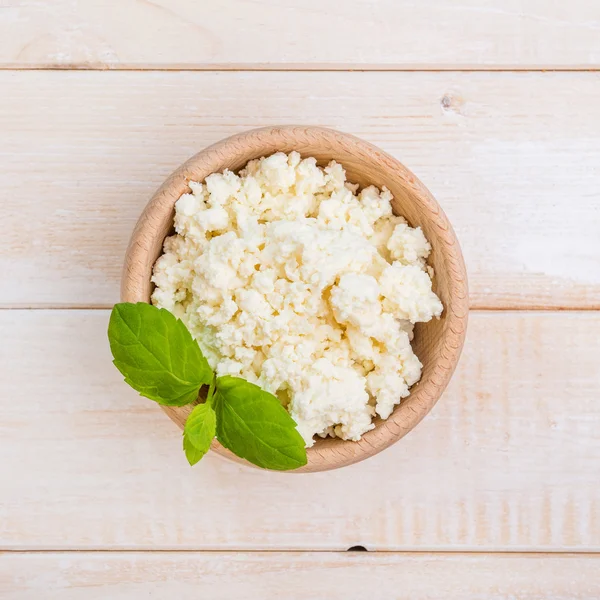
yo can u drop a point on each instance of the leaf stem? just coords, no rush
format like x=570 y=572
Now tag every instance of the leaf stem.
x=211 y=390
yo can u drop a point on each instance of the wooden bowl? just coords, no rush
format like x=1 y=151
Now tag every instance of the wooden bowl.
x=437 y=344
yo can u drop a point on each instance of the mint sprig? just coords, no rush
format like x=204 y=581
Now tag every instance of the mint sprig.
x=158 y=357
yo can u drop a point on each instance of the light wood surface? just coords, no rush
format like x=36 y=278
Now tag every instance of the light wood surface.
x=297 y=576
x=507 y=460
x=438 y=343
x=514 y=160
x=300 y=34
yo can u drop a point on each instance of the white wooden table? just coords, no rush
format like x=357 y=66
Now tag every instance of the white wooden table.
x=495 y=104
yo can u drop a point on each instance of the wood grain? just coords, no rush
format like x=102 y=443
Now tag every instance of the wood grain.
x=512 y=158
x=307 y=34
x=437 y=343
x=297 y=576
x=507 y=460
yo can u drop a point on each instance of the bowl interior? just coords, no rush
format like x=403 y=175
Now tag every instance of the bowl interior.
x=437 y=343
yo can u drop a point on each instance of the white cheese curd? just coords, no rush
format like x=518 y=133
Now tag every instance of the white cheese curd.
x=290 y=277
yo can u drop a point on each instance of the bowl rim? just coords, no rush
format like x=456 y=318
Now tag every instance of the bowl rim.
x=135 y=285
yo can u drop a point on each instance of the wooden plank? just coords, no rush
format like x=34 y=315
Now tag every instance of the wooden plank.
x=296 y=576
x=397 y=34
x=513 y=158
x=508 y=459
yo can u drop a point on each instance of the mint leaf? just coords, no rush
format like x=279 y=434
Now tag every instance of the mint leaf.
x=156 y=354
x=253 y=424
x=199 y=432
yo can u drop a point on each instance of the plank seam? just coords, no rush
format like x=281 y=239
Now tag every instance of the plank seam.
x=73 y=550
x=344 y=68
x=473 y=309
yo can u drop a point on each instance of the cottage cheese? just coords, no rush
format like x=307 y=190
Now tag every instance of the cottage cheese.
x=290 y=277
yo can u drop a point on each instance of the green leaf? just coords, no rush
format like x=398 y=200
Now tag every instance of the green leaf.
x=253 y=424
x=199 y=432
x=157 y=354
